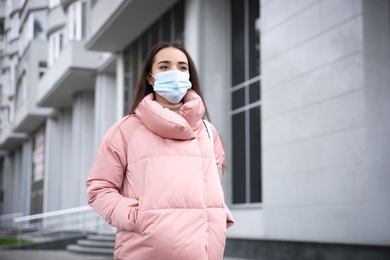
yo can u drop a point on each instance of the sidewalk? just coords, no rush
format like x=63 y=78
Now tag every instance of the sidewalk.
x=55 y=255
x=24 y=254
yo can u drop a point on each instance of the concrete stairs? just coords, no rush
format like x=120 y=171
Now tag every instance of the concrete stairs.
x=98 y=244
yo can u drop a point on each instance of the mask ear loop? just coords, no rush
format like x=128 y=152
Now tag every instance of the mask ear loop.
x=153 y=77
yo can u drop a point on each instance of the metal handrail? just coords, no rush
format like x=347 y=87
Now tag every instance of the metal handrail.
x=10 y=216
x=80 y=219
x=52 y=214
x=6 y=220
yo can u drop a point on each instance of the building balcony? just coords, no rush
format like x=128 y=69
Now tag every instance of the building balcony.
x=28 y=116
x=55 y=19
x=116 y=23
x=14 y=46
x=16 y=6
x=6 y=60
x=30 y=6
x=74 y=71
x=9 y=140
x=66 y=3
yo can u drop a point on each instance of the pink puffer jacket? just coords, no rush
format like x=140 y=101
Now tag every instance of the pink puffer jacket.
x=157 y=178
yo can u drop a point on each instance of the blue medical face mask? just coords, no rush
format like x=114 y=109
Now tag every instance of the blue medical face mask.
x=172 y=85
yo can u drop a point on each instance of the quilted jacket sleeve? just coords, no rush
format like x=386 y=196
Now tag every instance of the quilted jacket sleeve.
x=220 y=156
x=104 y=184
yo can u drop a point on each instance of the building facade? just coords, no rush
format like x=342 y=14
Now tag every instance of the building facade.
x=297 y=89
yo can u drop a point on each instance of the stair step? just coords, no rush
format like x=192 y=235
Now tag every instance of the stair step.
x=107 y=233
x=96 y=243
x=89 y=250
x=101 y=237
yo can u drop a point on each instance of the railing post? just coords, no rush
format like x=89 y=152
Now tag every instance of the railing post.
x=18 y=235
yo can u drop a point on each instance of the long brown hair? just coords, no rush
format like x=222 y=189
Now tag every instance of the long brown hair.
x=143 y=88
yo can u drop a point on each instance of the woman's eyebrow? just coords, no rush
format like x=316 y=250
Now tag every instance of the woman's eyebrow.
x=167 y=61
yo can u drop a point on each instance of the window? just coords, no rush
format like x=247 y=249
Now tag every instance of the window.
x=246 y=102
x=39 y=25
x=42 y=67
x=13 y=64
x=6 y=82
x=35 y=28
x=56 y=42
x=4 y=117
x=170 y=27
x=77 y=21
x=21 y=92
x=14 y=26
x=38 y=169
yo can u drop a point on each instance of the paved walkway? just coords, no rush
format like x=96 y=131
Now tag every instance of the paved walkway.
x=55 y=255
x=46 y=255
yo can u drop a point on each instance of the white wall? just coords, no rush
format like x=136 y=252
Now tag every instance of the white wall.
x=53 y=164
x=82 y=144
x=69 y=153
x=64 y=151
x=105 y=111
x=314 y=122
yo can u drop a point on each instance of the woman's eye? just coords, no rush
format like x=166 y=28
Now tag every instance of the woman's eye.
x=183 y=68
x=163 y=67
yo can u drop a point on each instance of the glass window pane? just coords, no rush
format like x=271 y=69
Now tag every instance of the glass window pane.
x=238 y=42
x=155 y=33
x=254 y=39
x=83 y=20
x=255 y=156
x=135 y=63
x=238 y=98
x=179 y=22
x=127 y=78
x=166 y=27
x=144 y=44
x=254 y=92
x=239 y=175
x=39 y=26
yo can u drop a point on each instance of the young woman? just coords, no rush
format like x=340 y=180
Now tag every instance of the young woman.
x=157 y=172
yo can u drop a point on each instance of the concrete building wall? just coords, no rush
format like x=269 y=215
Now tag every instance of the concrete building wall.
x=53 y=164
x=105 y=113
x=64 y=153
x=208 y=45
x=82 y=141
x=17 y=180
x=315 y=124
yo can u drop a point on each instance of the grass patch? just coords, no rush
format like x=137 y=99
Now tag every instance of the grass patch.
x=11 y=241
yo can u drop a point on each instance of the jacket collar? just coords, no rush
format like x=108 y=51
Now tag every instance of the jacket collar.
x=169 y=124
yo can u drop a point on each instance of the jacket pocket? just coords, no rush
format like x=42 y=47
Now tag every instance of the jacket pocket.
x=137 y=226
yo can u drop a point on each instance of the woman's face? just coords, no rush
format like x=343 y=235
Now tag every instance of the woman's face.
x=168 y=59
